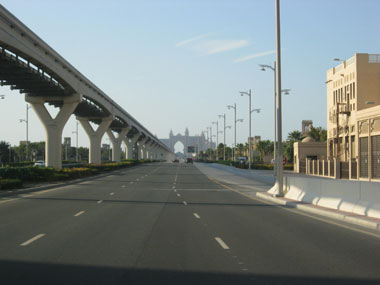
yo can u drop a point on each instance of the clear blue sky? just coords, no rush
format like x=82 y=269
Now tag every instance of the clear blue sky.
x=177 y=64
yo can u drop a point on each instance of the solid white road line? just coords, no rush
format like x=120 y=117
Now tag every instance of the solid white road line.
x=185 y=203
x=100 y=201
x=221 y=243
x=79 y=213
x=112 y=193
x=32 y=240
x=196 y=215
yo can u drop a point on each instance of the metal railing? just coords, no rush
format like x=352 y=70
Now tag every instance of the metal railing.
x=329 y=168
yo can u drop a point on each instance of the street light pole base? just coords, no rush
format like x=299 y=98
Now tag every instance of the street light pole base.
x=274 y=191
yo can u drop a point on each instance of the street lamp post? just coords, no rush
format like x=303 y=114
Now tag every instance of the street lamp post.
x=236 y=121
x=279 y=107
x=263 y=66
x=217 y=138
x=224 y=140
x=76 y=150
x=27 y=129
x=233 y=148
x=249 y=94
x=209 y=139
x=286 y=91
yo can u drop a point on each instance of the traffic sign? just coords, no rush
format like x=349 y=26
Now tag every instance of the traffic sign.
x=191 y=149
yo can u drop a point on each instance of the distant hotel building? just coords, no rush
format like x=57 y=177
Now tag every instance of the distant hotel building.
x=353 y=105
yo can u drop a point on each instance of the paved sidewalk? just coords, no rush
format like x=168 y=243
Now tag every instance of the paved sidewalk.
x=255 y=184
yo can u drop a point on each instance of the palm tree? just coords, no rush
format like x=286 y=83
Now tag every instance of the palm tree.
x=240 y=148
x=295 y=136
x=318 y=133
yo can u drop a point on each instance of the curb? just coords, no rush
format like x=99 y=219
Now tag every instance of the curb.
x=10 y=193
x=348 y=218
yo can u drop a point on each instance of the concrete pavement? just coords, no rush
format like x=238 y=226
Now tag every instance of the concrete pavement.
x=170 y=224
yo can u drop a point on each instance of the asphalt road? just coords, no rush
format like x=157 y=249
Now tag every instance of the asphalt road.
x=170 y=224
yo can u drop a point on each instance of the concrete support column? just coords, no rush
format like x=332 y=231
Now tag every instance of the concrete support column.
x=144 y=149
x=139 y=150
x=116 y=143
x=130 y=144
x=95 y=137
x=152 y=154
x=54 y=127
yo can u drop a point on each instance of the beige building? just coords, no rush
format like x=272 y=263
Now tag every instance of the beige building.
x=353 y=105
x=308 y=148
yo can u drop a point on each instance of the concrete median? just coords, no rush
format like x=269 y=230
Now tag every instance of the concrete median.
x=359 y=197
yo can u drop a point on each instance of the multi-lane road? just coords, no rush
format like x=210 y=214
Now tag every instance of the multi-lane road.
x=170 y=224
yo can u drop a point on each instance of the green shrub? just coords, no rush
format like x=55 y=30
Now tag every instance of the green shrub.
x=10 y=184
x=41 y=174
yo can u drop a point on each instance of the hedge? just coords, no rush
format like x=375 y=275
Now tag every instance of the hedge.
x=13 y=177
x=10 y=184
x=237 y=164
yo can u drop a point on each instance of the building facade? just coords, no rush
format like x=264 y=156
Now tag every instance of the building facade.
x=199 y=142
x=353 y=114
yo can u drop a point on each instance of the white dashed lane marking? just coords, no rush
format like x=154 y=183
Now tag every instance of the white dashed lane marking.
x=100 y=201
x=221 y=243
x=196 y=215
x=79 y=213
x=29 y=241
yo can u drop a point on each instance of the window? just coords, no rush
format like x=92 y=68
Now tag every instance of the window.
x=334 y=98
x=353 y=90
x=353 y=107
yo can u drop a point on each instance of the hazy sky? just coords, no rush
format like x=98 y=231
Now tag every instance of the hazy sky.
x=177 y=64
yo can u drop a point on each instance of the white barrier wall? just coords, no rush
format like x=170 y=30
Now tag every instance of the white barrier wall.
x=359 y=197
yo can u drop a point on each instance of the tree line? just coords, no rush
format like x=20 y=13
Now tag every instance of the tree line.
x=265 y=147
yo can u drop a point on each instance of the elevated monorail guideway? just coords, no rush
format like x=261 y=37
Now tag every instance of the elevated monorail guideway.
x=31 y=66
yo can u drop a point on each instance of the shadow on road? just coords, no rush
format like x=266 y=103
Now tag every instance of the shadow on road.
x=20 y=272
x=248 y=204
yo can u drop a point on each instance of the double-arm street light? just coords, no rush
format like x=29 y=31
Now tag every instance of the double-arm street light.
x=27 y=129
x=225 y=127
x=217 y=138
x=236 y=121
x=249 y=94
x=286 y=92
